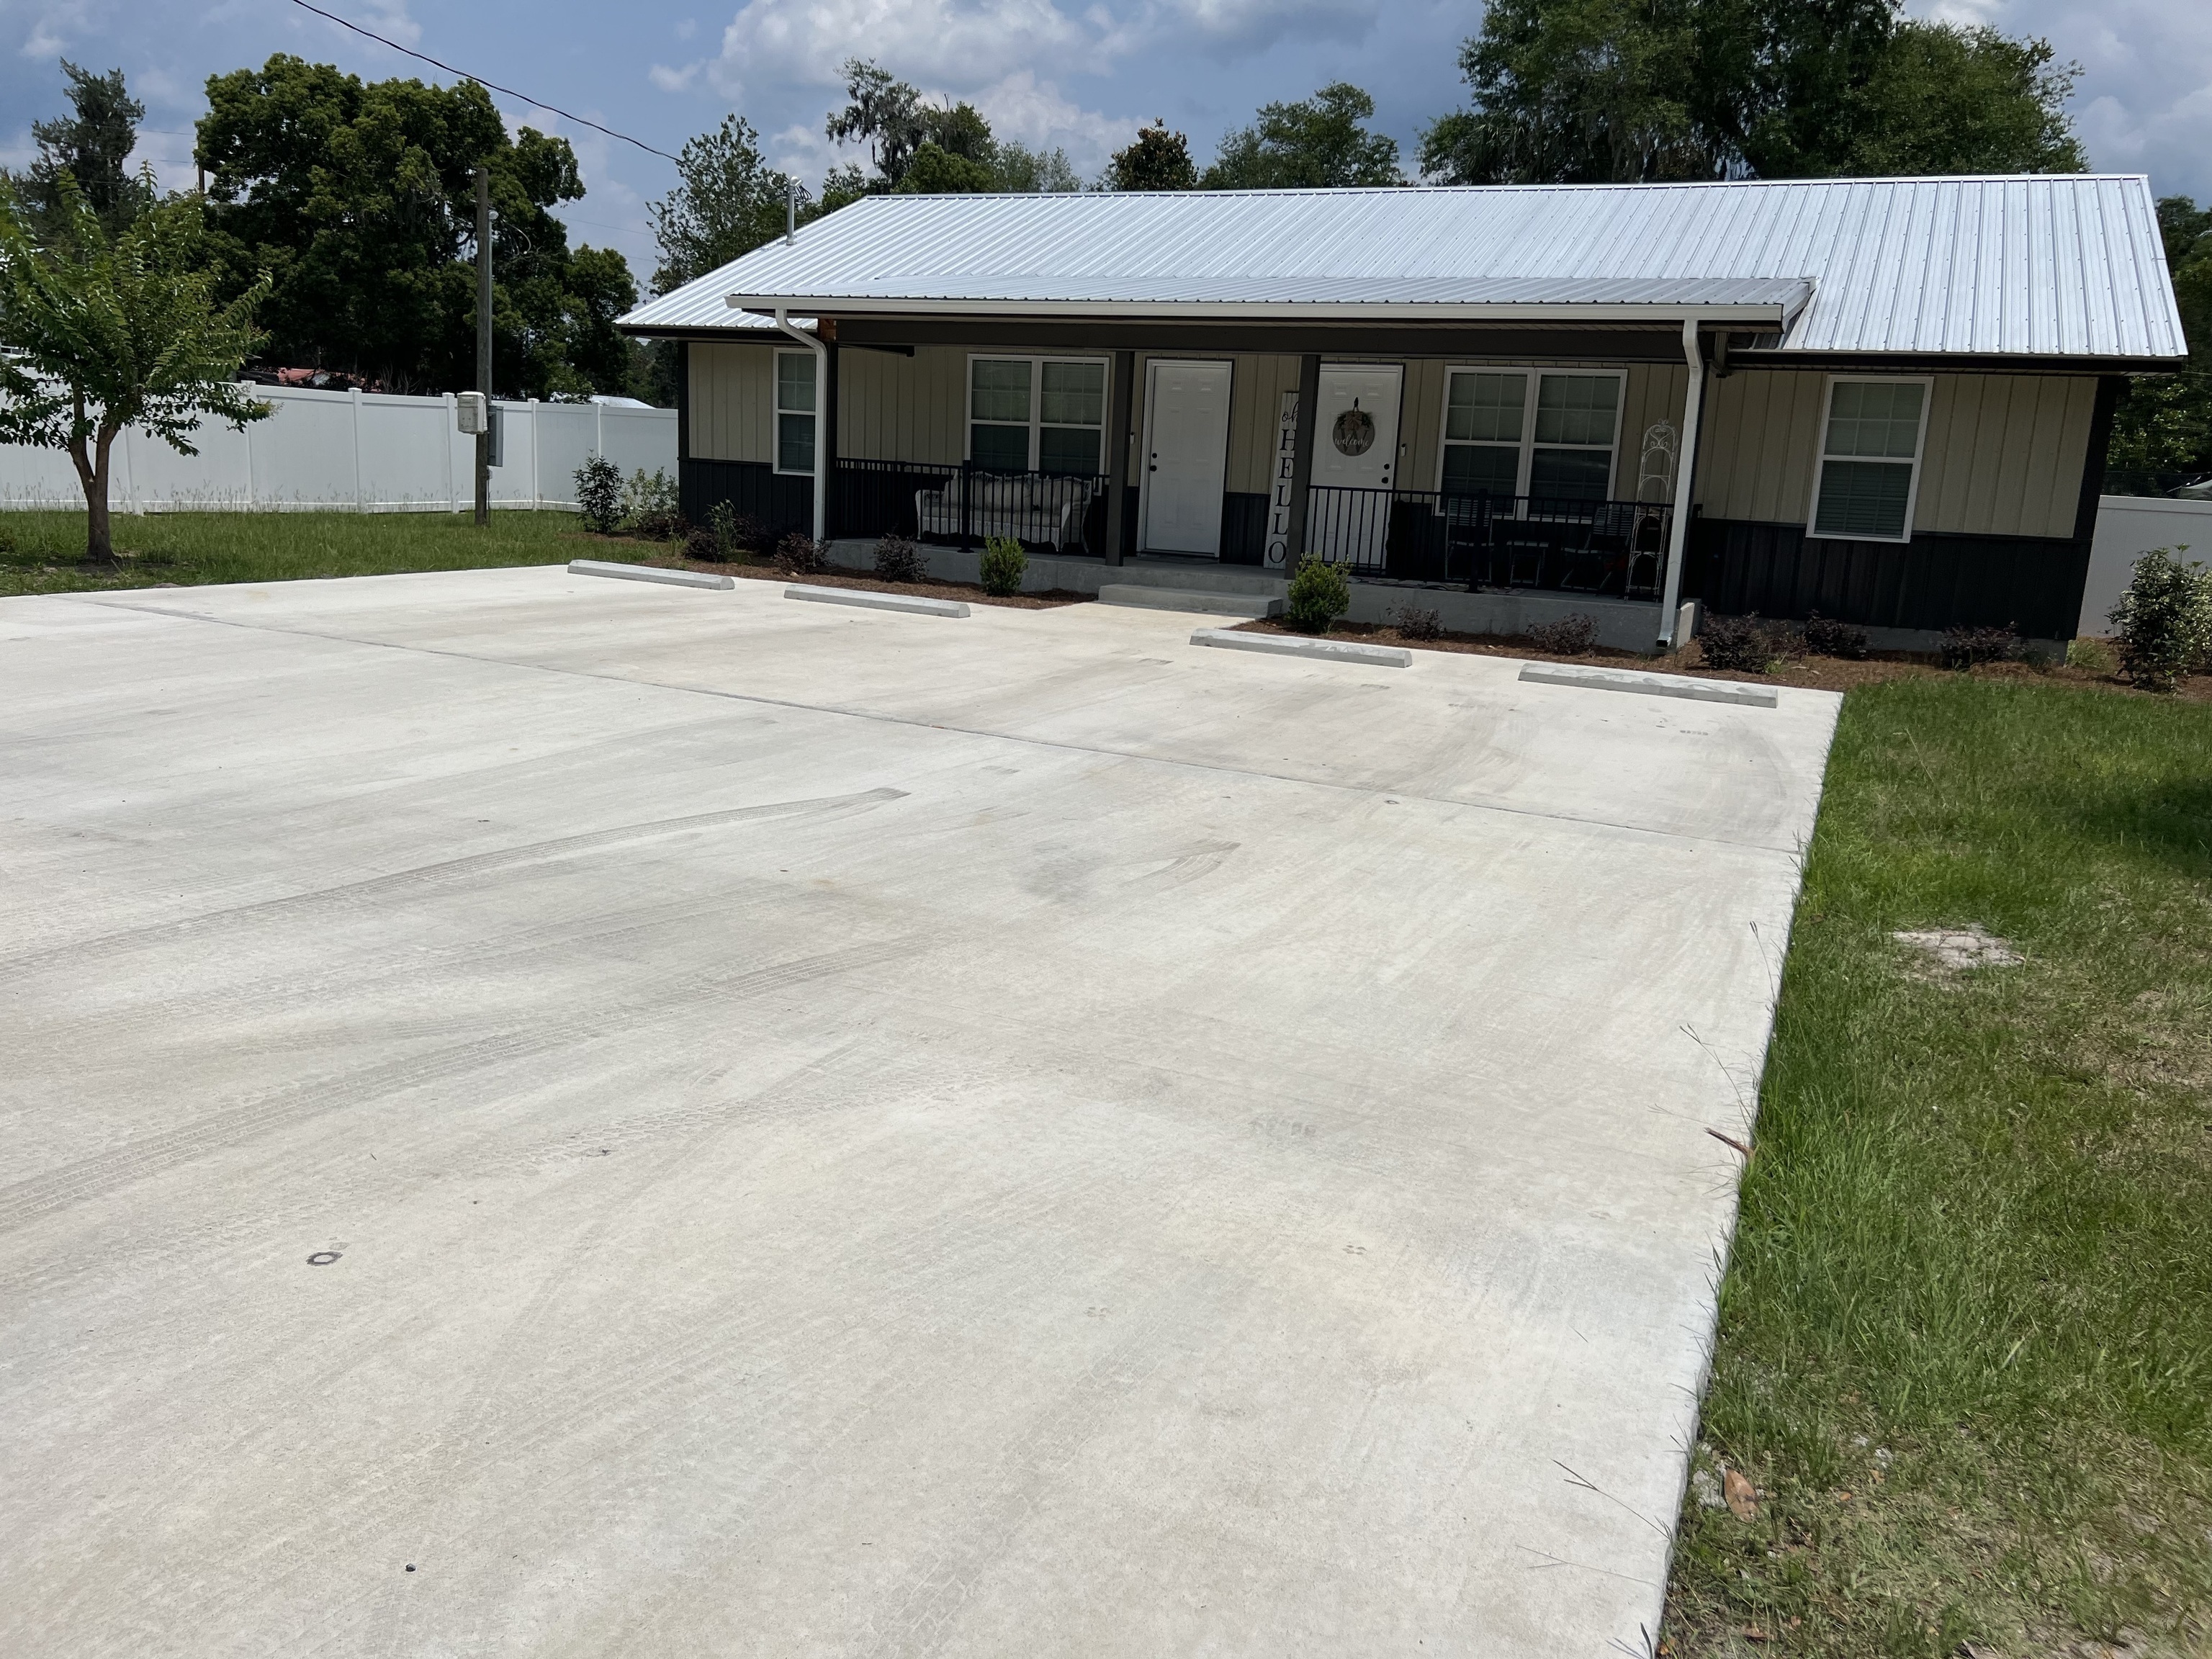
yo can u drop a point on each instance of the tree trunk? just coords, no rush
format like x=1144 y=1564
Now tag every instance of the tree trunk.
x=98 y=543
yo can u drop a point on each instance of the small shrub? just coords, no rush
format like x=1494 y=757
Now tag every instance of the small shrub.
x=1417 y=623
x=1319 y=594
x=1964 y=647
x=660 y=526
x=898 y=560
x=1571 y=636
x=600 y=496
x=649 y=496
x=736 y=534
x=801 y=555
x=1739 y=645
x=701 y=545
x=2164 y=620
x=1005 y=564
x=1824 y=636
x=2091 y=655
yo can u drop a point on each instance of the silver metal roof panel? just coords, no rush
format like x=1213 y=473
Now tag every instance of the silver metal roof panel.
x=2048 y=266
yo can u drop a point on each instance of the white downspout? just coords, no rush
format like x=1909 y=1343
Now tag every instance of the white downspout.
x=821 y=397
x=1685 y=464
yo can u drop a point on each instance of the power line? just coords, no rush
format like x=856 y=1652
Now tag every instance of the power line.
x=492 y=86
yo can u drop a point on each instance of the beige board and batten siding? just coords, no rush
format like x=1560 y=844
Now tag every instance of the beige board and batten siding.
x=732 y=401
x=2003 y=455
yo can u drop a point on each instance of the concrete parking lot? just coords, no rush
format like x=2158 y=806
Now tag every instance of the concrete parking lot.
x=558 y=1116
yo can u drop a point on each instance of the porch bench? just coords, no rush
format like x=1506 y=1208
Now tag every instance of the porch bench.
x=1028 y=507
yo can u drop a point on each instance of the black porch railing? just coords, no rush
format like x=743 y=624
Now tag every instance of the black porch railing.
x=1617 y=548
x=966 y=505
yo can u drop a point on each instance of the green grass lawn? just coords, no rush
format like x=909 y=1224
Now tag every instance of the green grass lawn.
x=191 y=547
x=1965 y=1335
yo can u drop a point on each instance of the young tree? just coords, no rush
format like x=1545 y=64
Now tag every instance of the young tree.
x=933 y=172
x=1155 y=159
x=360 y=199
x=1312 y=142
x=93 y=146
x=728 y=201
x=1025 y=171
x=99 y=332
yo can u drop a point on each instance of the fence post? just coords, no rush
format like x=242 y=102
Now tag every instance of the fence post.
x=447 y=438
x=360 y=483
x=537 y=483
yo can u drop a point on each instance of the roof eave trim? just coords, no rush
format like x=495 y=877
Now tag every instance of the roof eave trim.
x=1657 y=314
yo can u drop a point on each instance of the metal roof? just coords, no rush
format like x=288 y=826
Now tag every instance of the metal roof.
x=2049 y=266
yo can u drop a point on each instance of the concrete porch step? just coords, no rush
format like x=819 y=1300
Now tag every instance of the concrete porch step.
x=1211 y=603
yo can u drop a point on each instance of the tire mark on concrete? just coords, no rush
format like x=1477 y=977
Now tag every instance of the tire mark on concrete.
x=27 y=1200
x=447 y=872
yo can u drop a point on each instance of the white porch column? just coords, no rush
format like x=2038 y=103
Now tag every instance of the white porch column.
x=1686 y=466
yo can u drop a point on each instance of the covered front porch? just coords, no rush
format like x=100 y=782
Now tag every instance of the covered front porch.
x=1502 y=460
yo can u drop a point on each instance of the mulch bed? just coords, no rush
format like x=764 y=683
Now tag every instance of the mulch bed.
x=1820 y=673
x=840 y=577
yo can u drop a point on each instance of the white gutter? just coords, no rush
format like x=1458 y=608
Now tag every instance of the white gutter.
x=1685 y=464
x=821 y=418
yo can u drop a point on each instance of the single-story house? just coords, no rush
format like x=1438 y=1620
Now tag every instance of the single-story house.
x=1885 y=400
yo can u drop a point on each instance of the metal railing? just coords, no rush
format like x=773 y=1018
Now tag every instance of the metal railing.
x=1557 y=544
x=966 y=505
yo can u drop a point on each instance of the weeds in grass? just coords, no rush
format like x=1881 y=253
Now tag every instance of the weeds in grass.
x=1965 y=1335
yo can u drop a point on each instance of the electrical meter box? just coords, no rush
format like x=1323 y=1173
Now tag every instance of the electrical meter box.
x=469 y=413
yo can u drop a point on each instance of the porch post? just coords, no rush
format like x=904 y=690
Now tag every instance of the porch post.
x=1685 y=465
x=1302 y=452
x=825 y=441
x=1117 y=452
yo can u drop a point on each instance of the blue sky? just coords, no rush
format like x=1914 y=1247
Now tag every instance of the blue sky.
x=1079 y=73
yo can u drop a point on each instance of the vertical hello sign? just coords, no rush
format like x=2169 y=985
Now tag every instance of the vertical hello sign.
x=1278 y=497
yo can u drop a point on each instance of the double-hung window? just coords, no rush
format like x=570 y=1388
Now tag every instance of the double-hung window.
x=1037 y=414
x=1869 y=471
x=1560 y=448
x=794 y=412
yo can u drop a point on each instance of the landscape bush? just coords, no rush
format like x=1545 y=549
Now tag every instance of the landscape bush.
x=1964 y=647
x=648 y=496
x=1005 y=564
x=702 y=546
x=2164 y=620
x=736 y=535
x=898 y=560
x=1740 y=645
x=801 y=555
x=2093 y=655
x=1319 y=594
x=600 y=496
x=1571 y=635
x=1824 y=636
x=1417 y=622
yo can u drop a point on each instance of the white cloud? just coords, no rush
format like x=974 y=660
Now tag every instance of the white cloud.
x=674 y=80
x=1022 y=107
x=960 y=44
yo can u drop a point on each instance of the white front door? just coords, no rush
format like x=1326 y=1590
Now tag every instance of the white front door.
x=1355 y=449
x=1186 y=455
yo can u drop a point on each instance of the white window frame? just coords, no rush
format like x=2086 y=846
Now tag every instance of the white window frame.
x=777 y=411
x=1036 y=361
x=1528 y=416
x=1927 y=385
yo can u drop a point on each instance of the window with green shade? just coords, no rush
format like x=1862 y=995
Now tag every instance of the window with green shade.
x=1869 y=459
x=1037 y=414
x=1484 y=414
x=1495 y=442
x=794 y=412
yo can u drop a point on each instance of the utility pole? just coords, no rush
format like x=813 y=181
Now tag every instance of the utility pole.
x=483 y=342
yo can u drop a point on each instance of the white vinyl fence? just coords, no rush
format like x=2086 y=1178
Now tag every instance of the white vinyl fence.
x=365 y=451
x=2129 y=527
